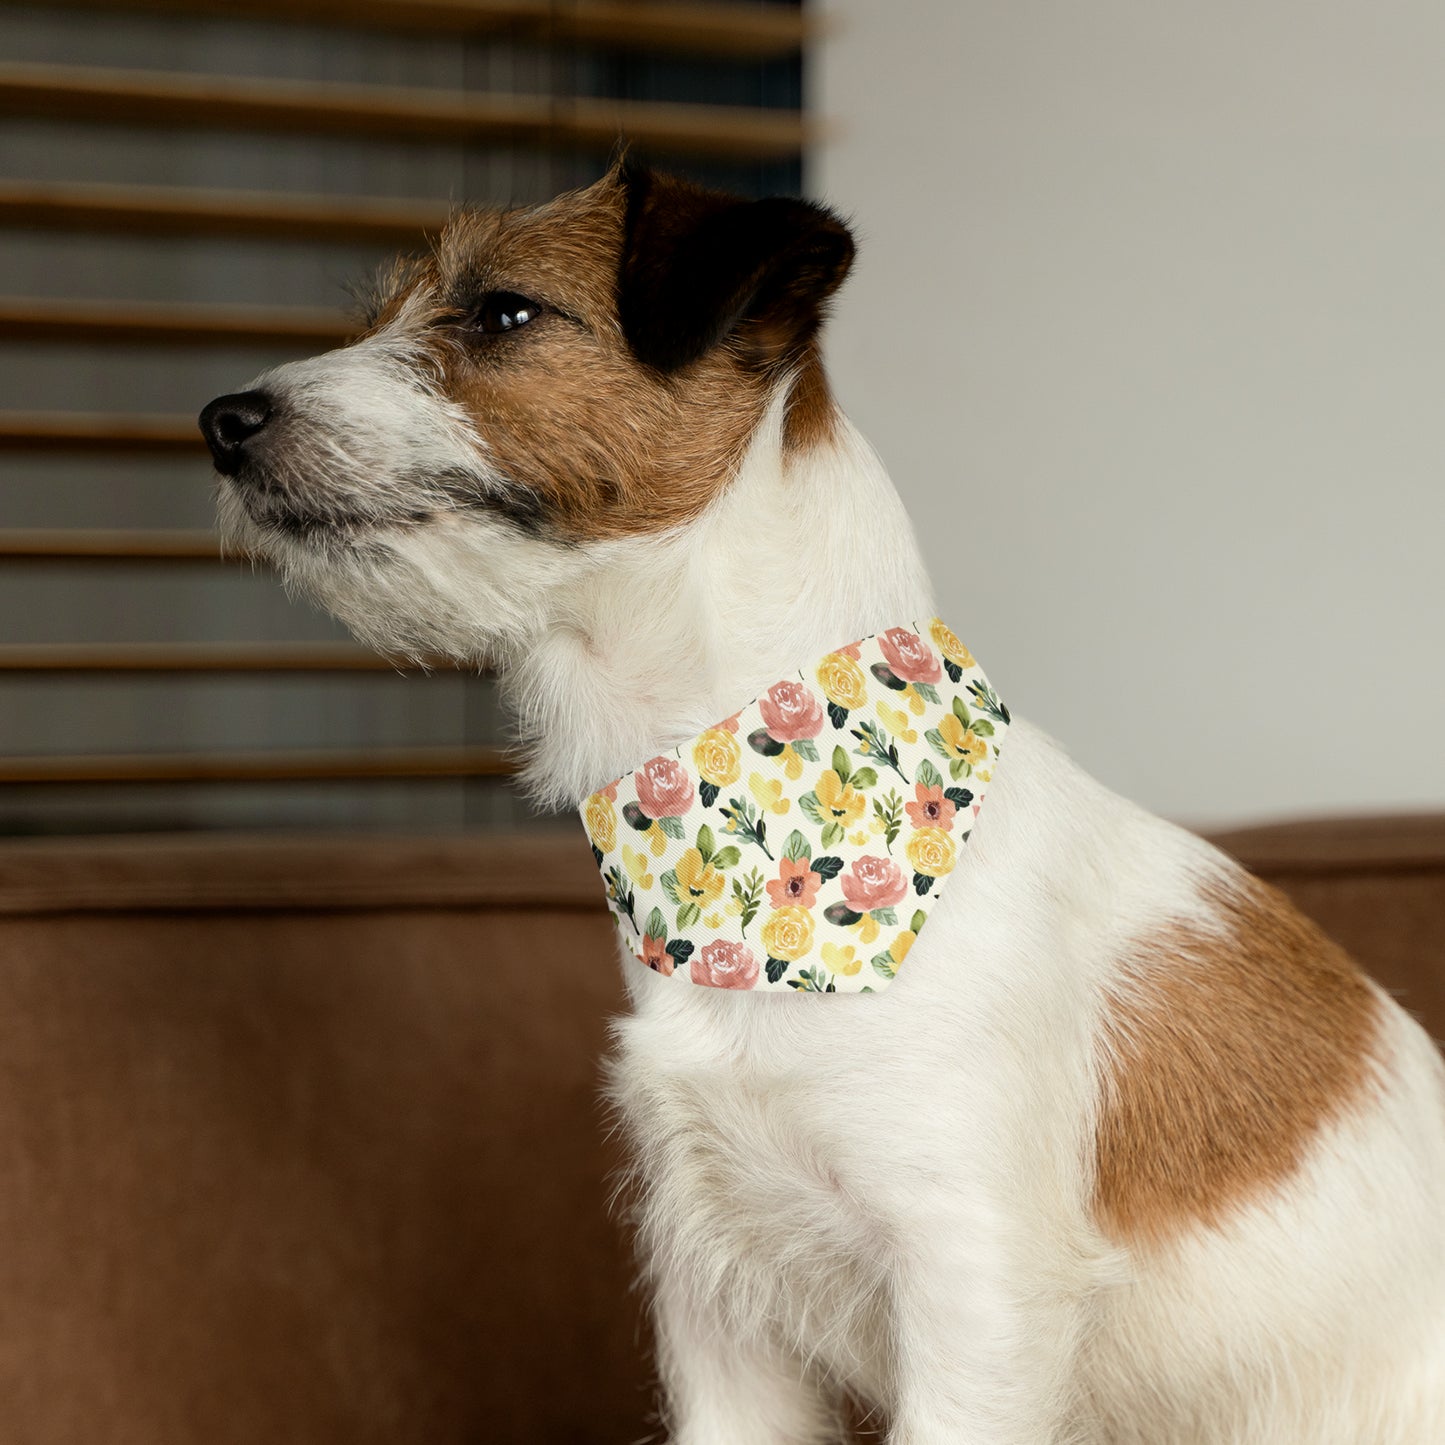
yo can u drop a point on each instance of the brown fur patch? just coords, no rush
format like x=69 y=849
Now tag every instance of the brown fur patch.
x=1226 y=1053
x=604 y=445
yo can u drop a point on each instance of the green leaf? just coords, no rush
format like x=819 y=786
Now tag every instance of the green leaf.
x=865 y=778
x=838 y=716
x=706 y=843
x=928 y=775
x=669 y=886
x=827 y=867
x=927 y=692
x=688 y=914
x=886 y=916
x=726 y=857
x=680 y=949
x=959 y=797
x=887 y=677
x=982 y=727
x=809 y=804
x=806 y=748
x=918 y=920
x=797 y=846
x=776 y=968
x=884 y=966
x=959 y=711
x=636 y=818
x=840 y=764
x=672 y=827
x=921 y=883
x=959 y=768
x=655 y=927
x=953 y=670
x=935 y=741
x=840 y=915
x=832 y=835
x=708 y=793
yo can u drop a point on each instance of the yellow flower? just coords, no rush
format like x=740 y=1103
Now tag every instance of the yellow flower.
x=915 y=702
x=962 y=742
x=602 y=822
x=792 y=763
x=713 y=920
x=698 y=882
x=636 y=865
x=769 y=794
x=837 y=802
x=931 y=851
x=733 y=906
x=898 y=951
x=842 y=680
x=842 y=958
x=896 y=721
x=788 y=933
x=860 y=838
x=985 y=775
x=949 y=645
x=866 y=928
x=657 y=840
x=717 y=757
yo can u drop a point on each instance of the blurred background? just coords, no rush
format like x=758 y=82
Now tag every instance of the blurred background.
x=302 y=1010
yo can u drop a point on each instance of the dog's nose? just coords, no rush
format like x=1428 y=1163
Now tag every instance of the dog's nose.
x=229 y=422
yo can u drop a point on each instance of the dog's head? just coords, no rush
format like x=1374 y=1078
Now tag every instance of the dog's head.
x=577 y=375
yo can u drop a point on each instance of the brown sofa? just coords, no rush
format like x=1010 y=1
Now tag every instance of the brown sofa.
x=301 y=1138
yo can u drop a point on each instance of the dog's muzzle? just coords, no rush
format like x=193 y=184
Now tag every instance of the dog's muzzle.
x=229 y=423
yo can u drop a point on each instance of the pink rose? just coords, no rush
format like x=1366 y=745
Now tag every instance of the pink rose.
x=725 y=965
x=874 y=883
x=791 y=712
x=664 y=788
x=909 y=656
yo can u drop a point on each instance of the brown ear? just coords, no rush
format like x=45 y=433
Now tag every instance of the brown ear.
x=699 y=266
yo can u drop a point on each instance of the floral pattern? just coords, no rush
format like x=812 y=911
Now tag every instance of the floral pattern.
x=800 y=844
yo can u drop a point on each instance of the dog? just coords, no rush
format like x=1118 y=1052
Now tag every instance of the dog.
x=1127 y=1152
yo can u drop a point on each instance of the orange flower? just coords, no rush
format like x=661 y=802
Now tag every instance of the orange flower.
x=932 y=810
x=796 y=883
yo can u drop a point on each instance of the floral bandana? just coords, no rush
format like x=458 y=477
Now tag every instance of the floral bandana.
x=800 y=843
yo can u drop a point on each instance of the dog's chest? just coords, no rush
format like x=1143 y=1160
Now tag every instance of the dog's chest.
x=748 y=1151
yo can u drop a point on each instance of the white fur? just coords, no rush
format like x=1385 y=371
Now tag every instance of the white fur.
x=890 y=1194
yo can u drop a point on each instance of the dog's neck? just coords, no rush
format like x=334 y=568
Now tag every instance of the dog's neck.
x=657 y=638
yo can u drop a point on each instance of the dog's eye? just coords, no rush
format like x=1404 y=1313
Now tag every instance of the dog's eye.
x=504 y=311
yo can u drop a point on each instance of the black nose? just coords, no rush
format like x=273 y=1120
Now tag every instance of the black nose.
x=229 y=422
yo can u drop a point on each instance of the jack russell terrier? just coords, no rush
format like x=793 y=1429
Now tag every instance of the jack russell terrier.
x=956 y=1085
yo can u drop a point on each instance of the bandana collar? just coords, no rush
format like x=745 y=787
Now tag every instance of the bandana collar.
x=801 y=843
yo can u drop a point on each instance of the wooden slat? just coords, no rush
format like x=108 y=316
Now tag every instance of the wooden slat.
x=218 y=102
x=177 y=211
x=709 y=29
x=75 y=544
x=171 y=323
x=203 y=657
x=81 y=431
x=259 y=767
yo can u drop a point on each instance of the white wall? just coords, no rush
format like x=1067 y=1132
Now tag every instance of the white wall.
x=1149 y=324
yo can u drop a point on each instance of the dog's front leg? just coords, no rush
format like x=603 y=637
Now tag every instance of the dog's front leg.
x=984 y=1346
x=724 y=1387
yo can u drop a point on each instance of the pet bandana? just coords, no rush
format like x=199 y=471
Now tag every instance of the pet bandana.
x=800 y=843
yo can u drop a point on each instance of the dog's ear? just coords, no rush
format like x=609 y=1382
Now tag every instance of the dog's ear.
x=699 y=266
